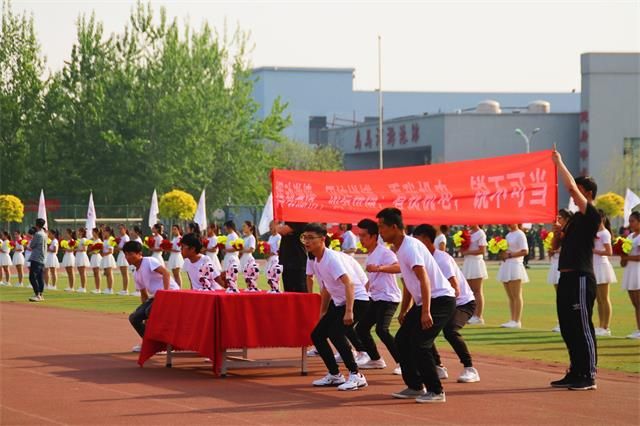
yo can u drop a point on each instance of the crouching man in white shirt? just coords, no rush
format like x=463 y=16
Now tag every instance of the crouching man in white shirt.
x=344 y=302
x=434 y=303
x=149 y=276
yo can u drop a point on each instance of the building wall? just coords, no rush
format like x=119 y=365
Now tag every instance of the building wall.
x=610 y=113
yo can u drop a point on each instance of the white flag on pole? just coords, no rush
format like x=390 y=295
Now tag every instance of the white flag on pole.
x=201 y=214
x=631 y=200
x=573 y=207
x=154 y=211
x=91 y=215
x=267 y=216
x=42 y=209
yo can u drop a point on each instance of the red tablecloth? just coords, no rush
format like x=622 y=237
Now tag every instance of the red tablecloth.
x=210 y=322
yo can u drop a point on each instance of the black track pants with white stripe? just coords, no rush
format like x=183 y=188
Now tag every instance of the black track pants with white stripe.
x=574 y=303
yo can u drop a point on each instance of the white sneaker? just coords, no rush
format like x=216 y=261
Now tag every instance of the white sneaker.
x=123 y=293
x=136 y=348
x=362 y=358
x=135 y=293
x=474 y=320
x=602 y=332
x=373 y=364
x=354 y=382
x=107 y=291
x=511 y=324
x=330 y=380
x=397 y=371
x=442 y=372
x=409 y=393
x=556 y=329
x=469 y=375
x=313 y=352
x=51 y=287
x=431 y=397
x=96 y=291
x=36 y=299
x=69 y=289
x=81 y=290
x=634 y=335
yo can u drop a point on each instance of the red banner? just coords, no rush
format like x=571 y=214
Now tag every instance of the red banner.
x=511 y=189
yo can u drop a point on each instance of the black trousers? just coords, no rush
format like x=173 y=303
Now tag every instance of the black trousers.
x=294 y=279
x=36 y=277
x=451 y=332
x=380 y=314
x=331 y=326
x=414 y=344
x=138 y=318
x=574 y=303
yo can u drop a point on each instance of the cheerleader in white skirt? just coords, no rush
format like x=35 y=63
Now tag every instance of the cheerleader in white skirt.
x=96 y=260
x=108 y=262
x=604 y=273
x=5 y=258
x=156 y=251
x=212 y=246
x=51 y=263
x=69 y=259
x=82 y=260
x=631 y=277
x=475 y=270
x=249 y=246
x=18 y=257
x=513 y=274
x=230 y=253
x=121 y=261
x=176 y=261
x=553 y=277
x=274 y=246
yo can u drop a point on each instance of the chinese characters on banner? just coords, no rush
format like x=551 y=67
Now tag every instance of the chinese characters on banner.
x=401 y=134
x=512 y=189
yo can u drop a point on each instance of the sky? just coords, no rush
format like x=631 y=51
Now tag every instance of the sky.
x=478 y=46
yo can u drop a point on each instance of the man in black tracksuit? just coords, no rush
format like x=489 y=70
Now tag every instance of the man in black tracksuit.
x=577 y=286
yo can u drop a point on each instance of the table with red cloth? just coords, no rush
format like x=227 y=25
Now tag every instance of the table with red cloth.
x=210 y=322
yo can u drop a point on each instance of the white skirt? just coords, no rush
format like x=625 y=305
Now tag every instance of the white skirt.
x=122 y=260
x=18 y=258
x=511 y=271
x=631 y=277
x=215 y=260
x=82 y=260
x=553 y=277
x=227 y=259
x=96 y=259
x=5 y=259
x=158 y=256
x=68 y=260
x=604 y=272
x=474 y=267
x=175 y=261
x=51 y=261
x=107 y=261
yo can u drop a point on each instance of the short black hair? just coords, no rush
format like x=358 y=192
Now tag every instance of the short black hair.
x=191 y=240
x=425 y=230
x=348 y=226
x=565 y=213
x=444 y=229
x=588 y=183
x=40 y=222
x=391 y=216
x=132 y=247
x=316 y=228
x=369 y=225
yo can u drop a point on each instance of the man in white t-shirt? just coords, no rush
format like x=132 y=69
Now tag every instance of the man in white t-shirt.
x=349 y=239
x=344 y=303
x=202 y=273
x=465 y=306
x=382 y=265
x=149 y=276
x=434 y=303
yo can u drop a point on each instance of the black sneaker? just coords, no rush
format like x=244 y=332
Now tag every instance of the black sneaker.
x=585 y=383
x=568 y=380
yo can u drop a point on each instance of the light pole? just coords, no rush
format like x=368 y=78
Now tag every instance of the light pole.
x=529 y=138
x=380 y=100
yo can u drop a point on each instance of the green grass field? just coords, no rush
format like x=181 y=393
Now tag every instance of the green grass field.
x=534 y=341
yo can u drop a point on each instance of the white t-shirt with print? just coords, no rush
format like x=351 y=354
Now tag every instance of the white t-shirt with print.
x=383 y=286
x=146 y=277
x=413 y=253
